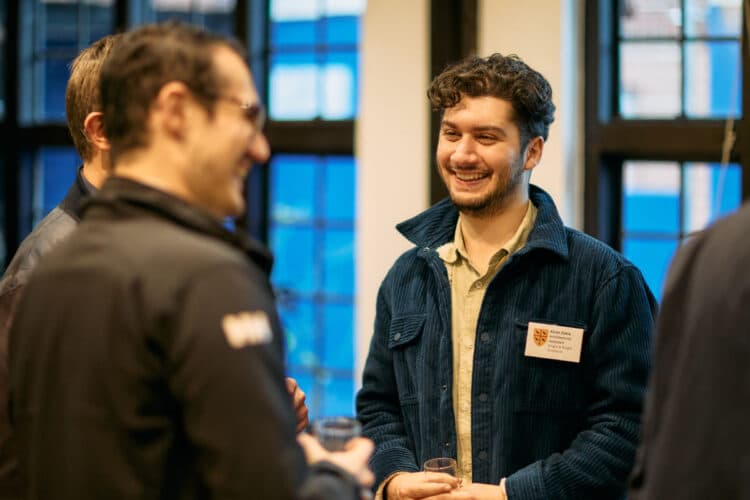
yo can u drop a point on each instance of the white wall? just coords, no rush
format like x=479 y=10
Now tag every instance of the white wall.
x=548 y=36
x=392 y=140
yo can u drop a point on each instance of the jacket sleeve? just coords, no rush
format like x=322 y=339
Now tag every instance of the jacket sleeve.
x=378 y=405
x=598 y=460
x=227 y=374
x=9 y=477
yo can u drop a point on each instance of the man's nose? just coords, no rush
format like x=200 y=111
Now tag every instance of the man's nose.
x=465 y=152
x=258 y=148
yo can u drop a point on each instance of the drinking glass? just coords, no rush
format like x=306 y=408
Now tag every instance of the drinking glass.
x=445 y=465
x=333 y=434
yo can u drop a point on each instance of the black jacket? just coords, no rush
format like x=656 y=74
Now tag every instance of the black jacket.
x=696 y=437
x=155 y=369
x=50 y=231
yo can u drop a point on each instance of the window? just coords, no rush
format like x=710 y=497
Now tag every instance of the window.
x=312 y=83
x=669 y=90
x=214 y=15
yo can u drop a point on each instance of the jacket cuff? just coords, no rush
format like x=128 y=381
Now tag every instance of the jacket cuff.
x=385 y=462
x=527 y=484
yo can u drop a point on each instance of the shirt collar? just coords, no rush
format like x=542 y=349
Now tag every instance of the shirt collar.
x=450 y=252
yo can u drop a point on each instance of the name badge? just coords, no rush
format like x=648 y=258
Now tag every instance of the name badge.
x=561 y=343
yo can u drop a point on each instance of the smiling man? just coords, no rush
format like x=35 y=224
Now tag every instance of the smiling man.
x=155 y=369
x=514 y=344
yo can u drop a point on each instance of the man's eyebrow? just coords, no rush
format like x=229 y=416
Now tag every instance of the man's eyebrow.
x=481 y=128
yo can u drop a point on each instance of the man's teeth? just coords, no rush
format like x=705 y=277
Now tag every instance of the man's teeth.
x=470 y=177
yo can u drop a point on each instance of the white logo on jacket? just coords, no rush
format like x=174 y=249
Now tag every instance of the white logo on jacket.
x=246 y=329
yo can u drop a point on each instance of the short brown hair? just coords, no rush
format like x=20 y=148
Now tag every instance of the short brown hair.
x=82 y=94
x=148 y=58
x=504 y=77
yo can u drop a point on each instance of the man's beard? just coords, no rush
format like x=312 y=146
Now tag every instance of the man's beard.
x=495 y=201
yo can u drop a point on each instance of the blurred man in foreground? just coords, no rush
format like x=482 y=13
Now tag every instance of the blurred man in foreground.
x=156 y=370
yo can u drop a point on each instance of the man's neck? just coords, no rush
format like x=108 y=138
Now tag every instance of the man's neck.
x=485 y=235
x=94 y=172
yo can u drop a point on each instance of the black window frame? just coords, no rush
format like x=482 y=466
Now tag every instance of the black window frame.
x=611 y=140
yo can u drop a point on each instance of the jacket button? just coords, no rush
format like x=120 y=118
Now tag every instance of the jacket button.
x=447 y=445
x=483 y=397
x=445 y=387
x=485 y=337
x=397 y=336
x=482 y=455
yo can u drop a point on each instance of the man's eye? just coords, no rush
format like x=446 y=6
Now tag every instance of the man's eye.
x=487 y=138
x=450 y=133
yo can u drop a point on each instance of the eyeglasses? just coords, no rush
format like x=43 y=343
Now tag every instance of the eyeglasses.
x=254 y=112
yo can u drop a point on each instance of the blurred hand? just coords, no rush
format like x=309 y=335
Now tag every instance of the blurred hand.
x=354 y=459
x=476 y=491
x=298 y=401
x=413 y=485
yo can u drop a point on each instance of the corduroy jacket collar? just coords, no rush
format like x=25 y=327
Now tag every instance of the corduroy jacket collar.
x=436 y=225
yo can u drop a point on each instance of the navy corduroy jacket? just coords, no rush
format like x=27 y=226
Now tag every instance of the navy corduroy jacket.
x=555 y=429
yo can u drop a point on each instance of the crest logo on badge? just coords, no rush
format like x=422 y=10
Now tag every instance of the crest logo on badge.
x=540 y=336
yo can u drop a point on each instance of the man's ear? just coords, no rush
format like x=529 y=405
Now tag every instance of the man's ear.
x=93 y=127
x=533 y=153
x=170 y=108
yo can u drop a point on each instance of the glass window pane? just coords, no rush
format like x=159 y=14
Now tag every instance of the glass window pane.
x=294 y=87
x=293 y=188
x=652 y=257
x=338 y=397
x=711 y=191
x=340 y=188
x=54 y=74
x=339 y=80
x=296 y=33
x=298 y=320
x=100 y=15
x=344 y=7
x=650 y=18
x=56 y=171
x=59 y=25
x=294 y=266
x=651 y=199
x=341 y=30
x=713 y=18
x=712 y=79
x=338 y=258
x=650 y=80
x=286 y=10
x=214 y=15
x=338 y=335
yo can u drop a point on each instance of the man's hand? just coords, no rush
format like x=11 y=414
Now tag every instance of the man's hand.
x=298 y=400
x=354 y=459
x=413 y=485
x=476 y=491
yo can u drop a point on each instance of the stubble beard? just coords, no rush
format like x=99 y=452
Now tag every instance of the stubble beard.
x=494 y=202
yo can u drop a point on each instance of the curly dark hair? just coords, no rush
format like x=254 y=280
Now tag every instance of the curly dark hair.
x=504 y=77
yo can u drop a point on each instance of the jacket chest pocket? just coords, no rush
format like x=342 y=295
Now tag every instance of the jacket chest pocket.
x=404 y=338
x=547 y=385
